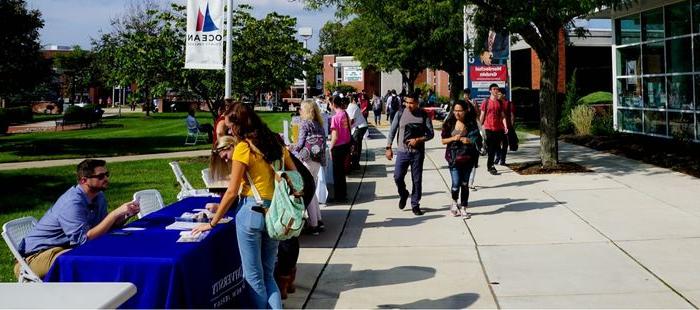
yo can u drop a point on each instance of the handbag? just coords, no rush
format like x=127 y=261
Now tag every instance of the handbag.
x=460 y=154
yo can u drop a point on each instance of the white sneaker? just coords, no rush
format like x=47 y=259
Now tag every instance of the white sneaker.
x=464 y=213
x=454 y=209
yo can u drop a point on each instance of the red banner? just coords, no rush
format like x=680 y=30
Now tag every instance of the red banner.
x=494 y=73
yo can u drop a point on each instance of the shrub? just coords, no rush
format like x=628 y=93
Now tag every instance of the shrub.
x=340 y=87
x=4 y=122
x=582 y=118
x=19 y=115
x=565 y=122
x=443 y=100
x=603 y=124
x=599 y=97
x=74 y=114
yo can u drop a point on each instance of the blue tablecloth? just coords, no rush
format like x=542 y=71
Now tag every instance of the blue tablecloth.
x=168 y=274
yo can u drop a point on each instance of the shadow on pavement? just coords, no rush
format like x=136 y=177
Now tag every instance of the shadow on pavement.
x=520 y=207
x=491 y=202
x=329 y=289
x=459 y=301
x=519 y=183
x=402 y=222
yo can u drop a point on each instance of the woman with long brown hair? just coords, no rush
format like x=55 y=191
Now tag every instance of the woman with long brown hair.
x=251 y=158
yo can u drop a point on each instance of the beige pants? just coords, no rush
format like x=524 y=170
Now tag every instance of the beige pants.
x=41 y=262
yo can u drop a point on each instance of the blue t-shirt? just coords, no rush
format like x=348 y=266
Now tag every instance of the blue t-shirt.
x=67 y=222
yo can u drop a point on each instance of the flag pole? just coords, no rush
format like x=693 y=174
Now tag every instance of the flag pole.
x=229 y=27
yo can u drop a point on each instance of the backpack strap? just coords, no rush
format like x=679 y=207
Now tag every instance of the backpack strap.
x=258 y=199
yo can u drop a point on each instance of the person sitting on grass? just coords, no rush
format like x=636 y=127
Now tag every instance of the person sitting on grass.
x=79 y=215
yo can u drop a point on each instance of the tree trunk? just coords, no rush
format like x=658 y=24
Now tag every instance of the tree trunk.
x=549 y=145
x=456 y=82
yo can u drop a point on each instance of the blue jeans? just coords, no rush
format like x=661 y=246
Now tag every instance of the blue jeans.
x=460 y=183
x=415 y=161
x=258 y=254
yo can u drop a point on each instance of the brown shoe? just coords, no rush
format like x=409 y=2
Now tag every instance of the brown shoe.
x=283 y=284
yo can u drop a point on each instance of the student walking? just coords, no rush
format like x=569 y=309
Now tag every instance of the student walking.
x=495 y=125
x=411 y=127
x=509 y=110
x=377 y=108
x=460 y=133
x=340 y=148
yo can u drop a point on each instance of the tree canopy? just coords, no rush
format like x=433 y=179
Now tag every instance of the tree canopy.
x=22 y=66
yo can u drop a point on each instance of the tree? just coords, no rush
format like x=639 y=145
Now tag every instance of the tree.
x=540 y=23
x=331 y=39
x=266 y=54
x=77 y=67
x=22 y=66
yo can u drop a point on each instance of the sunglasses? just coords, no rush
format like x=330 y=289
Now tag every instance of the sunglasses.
x=220 y=149
x=100 y=176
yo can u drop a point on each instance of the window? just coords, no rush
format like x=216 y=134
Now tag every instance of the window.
x=680 y=125
x=628 y=60
x=696 y=16
x=678 y=55
x=627 y=30
x=680 y=92
x=630 y=120
x=653 y=25
x=655 y=92
x=678 y=19
x=655 y=122
x=653 y=58
x=629 y=92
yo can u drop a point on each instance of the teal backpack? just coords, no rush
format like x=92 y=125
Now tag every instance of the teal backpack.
x=284 y=218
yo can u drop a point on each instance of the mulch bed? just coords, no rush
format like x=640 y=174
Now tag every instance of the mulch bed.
x=677 y=155
x=535 y=167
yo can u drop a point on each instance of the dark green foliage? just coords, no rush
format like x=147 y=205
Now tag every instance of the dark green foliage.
x=603 y=124
x=19 y=115
x=4 y=123
x=570 y=101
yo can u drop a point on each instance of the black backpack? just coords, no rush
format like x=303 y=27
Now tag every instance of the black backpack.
x=394 y=103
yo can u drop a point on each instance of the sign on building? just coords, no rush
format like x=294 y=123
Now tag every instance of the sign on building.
x=352 y=74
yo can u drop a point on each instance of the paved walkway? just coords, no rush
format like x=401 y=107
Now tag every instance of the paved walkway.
x=625 y=236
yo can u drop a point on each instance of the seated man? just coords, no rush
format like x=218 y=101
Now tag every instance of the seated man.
x=193 y=123
x=79 y=215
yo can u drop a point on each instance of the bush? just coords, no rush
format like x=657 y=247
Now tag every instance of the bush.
x=582 y=119
x=19 y=115
x=4 y=122
x=599 y=97
x=340 y=87
x=603 y=124
x=73 y=114
x=565 y=122
x=443 y=100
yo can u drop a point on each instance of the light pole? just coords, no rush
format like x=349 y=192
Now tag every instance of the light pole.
x=306 y=33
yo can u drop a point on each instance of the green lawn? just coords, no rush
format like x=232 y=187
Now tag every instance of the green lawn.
x=128 y=135
x=33 y=191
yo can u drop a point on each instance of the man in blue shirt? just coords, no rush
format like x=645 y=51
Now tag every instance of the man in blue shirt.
x=79 y=215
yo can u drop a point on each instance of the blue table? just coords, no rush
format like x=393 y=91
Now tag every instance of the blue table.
x=168 y=274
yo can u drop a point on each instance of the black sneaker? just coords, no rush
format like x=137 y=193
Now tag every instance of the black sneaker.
x=402 y=202
x=493 y=171
x=417 y=211
x=321 y=225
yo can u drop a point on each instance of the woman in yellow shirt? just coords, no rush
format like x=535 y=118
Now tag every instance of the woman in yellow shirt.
x=256 y=149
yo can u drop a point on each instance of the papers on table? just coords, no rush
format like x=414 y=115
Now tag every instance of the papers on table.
x=182 y=225
x=133 y=228
x=187 y=236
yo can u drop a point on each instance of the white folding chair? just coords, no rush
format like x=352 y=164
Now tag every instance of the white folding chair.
x=186 y=189
x=206 y=177
x=150 y=201
x=13 y=232
x=193 y=133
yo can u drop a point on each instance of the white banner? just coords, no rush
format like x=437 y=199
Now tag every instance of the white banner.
x=204 y=41
x=352 y=74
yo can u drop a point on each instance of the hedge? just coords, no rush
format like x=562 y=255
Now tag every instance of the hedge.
x=19 y=115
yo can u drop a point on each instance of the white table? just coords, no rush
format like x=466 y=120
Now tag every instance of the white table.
x=65 y=295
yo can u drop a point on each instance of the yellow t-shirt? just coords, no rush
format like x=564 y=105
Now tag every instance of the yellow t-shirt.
x=260 y=171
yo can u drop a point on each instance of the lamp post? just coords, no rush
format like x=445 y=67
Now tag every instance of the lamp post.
x=305 y=33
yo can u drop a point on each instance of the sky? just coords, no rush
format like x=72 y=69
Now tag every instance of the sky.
x=75 y=22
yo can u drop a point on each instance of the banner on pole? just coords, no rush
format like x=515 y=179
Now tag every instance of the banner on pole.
x=490 y=66
x=204 y=42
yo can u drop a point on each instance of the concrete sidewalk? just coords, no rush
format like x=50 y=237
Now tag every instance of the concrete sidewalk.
x=625 y=236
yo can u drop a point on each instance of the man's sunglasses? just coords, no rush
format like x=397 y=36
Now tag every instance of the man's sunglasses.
x=100 y=176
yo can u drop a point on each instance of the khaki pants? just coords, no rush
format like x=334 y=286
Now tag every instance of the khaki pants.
x=41 y=262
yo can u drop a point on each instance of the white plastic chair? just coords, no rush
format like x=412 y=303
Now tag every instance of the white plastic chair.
x=186 y=189
x=13 y=232
x=194 y=133
x=150 y=201
x=206 y=177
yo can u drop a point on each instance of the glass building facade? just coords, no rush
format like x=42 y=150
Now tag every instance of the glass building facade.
x=657 y=71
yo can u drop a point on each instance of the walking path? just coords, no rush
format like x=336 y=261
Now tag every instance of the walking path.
x=624 y=236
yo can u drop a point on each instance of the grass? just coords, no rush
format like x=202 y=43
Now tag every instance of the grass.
x=596 y=98
x=130 y=134
x=30 y=192
x=45 y=117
